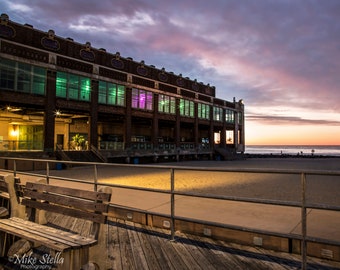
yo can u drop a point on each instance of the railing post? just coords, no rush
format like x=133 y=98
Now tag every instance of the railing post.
x=95 y=177
x=172 y=204
x=303 y=222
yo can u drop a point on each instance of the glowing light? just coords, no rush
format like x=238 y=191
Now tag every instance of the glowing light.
x=15 y=131
x=57 y=113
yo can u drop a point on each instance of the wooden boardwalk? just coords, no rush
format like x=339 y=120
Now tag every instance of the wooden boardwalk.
x=135 y=246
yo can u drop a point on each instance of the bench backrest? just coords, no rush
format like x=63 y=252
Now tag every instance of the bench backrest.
x=4 y=198
x=84 y=204
x=3 y=184
x=4 y=179
x=11 y=189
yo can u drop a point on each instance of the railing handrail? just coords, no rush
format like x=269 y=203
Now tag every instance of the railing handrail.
x=172 y=192
x=177 y=167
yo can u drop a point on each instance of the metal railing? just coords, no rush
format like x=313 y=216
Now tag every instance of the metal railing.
x=21 y=145
x=172 y=192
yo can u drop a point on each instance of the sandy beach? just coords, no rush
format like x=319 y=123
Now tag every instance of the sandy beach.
x=286 y=187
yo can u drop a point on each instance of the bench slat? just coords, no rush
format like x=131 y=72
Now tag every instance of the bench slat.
x=69 y=238
x=86 y=194
x=67 y=201
x=98 y=218
x=7 y=226
x=44 y=235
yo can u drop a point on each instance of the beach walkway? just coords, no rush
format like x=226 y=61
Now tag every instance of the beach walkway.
x=136 y=246
x=132 y=245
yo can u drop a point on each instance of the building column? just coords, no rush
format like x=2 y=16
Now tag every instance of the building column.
x=236 y=139
x=223 y=138
x=50 y=110
x=211 y=130
x=178 y=125
x=196 y=138
x=128 y=120
x=93 y=119
x=178 y=129
x=154 y=137
x=242 y=129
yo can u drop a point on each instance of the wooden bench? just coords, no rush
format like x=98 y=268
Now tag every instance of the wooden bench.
x=66 y=249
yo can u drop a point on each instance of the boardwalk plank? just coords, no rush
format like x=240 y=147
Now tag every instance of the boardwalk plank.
x=137 y=248
x=224 y=255
x=161 y=248
x=232 y=255
x=198 y=251
x=187 y=257
x=269 y=262
x=151 y=249
x=125 y=249
x=115 y=256
x=165 y=246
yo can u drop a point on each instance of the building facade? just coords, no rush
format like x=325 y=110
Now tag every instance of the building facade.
x=53 y=90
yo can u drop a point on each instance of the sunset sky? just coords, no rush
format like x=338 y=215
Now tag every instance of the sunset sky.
x=282 y=57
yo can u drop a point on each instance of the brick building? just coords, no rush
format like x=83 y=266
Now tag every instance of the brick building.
x=53 y=88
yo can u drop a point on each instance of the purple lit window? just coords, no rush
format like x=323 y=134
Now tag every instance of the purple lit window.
x=134 y=98
x=141 y=99
x=149 y=101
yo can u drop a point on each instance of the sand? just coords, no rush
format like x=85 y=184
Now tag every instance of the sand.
x=286 y=187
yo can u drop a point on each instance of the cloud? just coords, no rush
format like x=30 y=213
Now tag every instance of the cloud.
x=122 y=24
x=290 y=120
x=269 y=53
x=20 y=7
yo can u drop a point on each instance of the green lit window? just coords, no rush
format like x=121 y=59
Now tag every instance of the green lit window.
x=102 y=92
x=203 y=111
x=141 y=99
x=7 y=74
x=61 y=85
x=166 y=104
x=120 y=95
x=72 y=86
x=39 y=78
x=218 y=114
x=85 y=89
x=22 y=77
x=229 y=116
x=110 y=93
x=186 y=108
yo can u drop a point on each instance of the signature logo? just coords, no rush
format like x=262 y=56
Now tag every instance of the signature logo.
x=46 y=261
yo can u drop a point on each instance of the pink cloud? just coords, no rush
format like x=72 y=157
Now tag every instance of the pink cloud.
x=266 y=52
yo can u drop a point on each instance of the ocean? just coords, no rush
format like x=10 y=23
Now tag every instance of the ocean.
x=305 y=150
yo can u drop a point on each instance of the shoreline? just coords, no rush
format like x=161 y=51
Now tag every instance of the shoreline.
x=288 y=156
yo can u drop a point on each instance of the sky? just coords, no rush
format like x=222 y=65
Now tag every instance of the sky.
x=281 y=57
